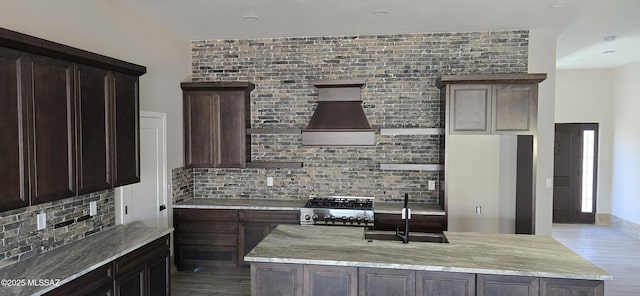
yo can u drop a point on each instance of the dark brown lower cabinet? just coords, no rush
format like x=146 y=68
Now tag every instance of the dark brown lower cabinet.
x=502 y=285
x=569 y=287
x=145 y=271
x=322 y=280
x=98 y=282
x=268 y=279
x=383 y=282
x=432 y=283
x=421 y=223
x=131 y=284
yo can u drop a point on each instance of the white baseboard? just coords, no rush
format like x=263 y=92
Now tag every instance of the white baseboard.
x=603 y=219
x=628 y=227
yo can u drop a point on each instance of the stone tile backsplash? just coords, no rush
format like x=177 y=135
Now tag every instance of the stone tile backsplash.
x=181 y=184
x=400 y=73
x=67 y=220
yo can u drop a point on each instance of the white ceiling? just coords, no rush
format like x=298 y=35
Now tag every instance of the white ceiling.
x=581 y=25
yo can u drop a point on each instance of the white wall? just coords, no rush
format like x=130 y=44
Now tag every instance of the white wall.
x=626 y=143
x=587 y=96
x=481 y=172
x=542 y=59
x=107 y=28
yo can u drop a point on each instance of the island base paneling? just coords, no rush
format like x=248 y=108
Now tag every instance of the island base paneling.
x=318 y=280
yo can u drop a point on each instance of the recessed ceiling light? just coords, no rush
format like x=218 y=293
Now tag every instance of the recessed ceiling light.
x=380 y=12
x=559 y=4
x=609 y=38
x=250 y=18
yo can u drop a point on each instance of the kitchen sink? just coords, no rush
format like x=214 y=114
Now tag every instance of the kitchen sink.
x=423 y=237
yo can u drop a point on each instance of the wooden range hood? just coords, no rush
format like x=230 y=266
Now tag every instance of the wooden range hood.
x=339 y=119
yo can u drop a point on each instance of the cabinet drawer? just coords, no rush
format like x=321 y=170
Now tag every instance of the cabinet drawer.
x=207 y=239
x=206 y=227
x=282 y=217
x=96 y=282
x=206 y=215
x=199 y=257
x=138 y=257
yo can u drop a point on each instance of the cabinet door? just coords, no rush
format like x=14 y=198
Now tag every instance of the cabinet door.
x=250 y=234
x=132 y=284
x=383 y=282
x=158 y=273
x=13 y=112
x=52 y=130
x=269 y=279
x=514 y=109
x=320 y=280
x=501 y=285
x=431 y=283
x=199 y=109
x=126 y=129
x=230 y=129
x=469 y=108
x=93 y=129
x=564 y=287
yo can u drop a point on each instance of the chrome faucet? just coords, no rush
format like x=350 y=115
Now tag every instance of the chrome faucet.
x=405 y=214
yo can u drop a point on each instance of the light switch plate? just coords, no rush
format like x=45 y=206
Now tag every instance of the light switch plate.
x=41 y=220
x=432 y=185
x=549 y=182
x=270 y=181
x=93 y=208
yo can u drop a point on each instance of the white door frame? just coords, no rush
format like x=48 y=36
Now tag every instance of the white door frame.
x=122 y=192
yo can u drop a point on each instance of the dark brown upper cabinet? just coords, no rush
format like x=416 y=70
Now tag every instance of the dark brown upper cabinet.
x=69 y=121
x=126 y=129
x=93 y=122
x=13 y=111
x=52 y=129
x=215 y=123
x=491 y=104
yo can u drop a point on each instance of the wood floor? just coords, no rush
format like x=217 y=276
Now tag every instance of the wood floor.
x=608 y=248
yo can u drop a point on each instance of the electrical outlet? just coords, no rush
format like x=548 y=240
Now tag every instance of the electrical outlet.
x=270 y=181
x=93 y=208
x=41 y=220
x=432 y=185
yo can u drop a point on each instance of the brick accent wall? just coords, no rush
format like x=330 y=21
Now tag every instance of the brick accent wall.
x=67 y=221
x=400 y=92
x=181 y=185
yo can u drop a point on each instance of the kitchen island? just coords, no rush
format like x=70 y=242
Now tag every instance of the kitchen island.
x=333 y=260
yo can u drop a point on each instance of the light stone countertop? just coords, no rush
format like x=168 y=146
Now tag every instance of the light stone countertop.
x=71 y=261
x=416 y=208
x=482 y=253
x=241 y=204
x=294 y=205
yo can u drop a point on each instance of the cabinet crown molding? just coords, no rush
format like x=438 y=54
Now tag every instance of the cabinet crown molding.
x=491 y=78
x=39 y=46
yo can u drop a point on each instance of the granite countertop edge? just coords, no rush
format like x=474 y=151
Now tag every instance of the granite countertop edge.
x=295 y=205
x=425 y=268
x=480 y=253
x=86 y=268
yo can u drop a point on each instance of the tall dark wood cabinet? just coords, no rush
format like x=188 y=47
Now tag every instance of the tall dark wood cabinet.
x=13 y=150
x=93 y=121
x=69 y=121
x=52 y=129
x=126 y=129
x=215 y=123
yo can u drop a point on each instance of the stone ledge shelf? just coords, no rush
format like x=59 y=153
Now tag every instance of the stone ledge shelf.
x=274 y=165
x=274 y=131
x=411 y=131
x=411 y=167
